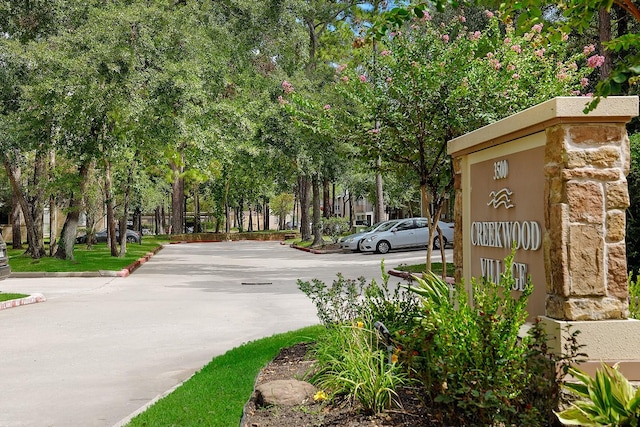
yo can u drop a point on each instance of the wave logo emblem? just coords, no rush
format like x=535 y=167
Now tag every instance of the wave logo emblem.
x=501 y=198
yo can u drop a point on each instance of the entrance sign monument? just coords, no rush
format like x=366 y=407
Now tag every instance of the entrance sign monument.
x=550 y=183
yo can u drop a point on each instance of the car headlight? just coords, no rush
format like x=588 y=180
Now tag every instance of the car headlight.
x=372 y=238
x=348 y=240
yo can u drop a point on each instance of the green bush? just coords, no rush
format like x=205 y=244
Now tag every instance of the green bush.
x=347 y=300
x=475 y=367
x=634 y=297
x=335 y=227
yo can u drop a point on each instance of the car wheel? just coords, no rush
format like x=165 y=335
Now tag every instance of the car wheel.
x=383 y=247
x=131 y=239
x=358 y=245
x=436 y=242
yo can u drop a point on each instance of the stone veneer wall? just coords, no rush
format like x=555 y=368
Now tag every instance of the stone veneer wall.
x=586 y=196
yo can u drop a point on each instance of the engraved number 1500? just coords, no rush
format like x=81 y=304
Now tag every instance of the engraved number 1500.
x=500 y=169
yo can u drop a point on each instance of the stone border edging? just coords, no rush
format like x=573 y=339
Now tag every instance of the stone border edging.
x=31 y=299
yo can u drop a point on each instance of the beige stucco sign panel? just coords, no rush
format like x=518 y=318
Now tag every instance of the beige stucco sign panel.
x=505 y=188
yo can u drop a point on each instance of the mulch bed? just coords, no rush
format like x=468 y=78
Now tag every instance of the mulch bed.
x=293 y=363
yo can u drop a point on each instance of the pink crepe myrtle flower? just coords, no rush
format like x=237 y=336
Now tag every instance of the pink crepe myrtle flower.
x=287 y=87
x=363 y=78
x=588 y=49
x=511 y=67
x=565 y=37
x=388 y=79
x=515 y=76
x=575 y=92
x=540 y=52
x=488 y=14
x=345 y=78
x=507 y=40
x=475 y=36
x=584 y=82
x=426 y=16
x=588 y=94
x=326 y=107
x=282 y=101
x=595 y=61
x=385 y=53
x=516 y=48
x=489 y=55
x=562 y=75
x=537 y=28
x=462 y=19
x=445 y=37
x=342 y=67
x=495 y=64
x=573 y=66
x=375 y=131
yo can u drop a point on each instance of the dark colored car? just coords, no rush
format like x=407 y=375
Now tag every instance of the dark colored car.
x=101 y=236
x=5 y=270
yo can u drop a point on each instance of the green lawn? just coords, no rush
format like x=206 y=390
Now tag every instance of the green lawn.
x=98 y=258
x=216 y=395
x=7 y=297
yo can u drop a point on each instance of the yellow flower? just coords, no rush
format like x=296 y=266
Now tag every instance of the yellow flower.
x=320 y=396
x=360 y=324
x=394 y=358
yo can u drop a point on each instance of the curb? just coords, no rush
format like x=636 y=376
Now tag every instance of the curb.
x=316 y=251
x=125 y=272
x=31 y=299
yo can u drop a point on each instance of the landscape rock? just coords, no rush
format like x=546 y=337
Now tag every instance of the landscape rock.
x=284 y=392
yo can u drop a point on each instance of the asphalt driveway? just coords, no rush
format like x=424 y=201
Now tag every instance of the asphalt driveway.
x=99 y=349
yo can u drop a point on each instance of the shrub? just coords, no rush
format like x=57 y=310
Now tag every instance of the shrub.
x=347 y=300
x=475 y=367
x=634 y=297
x=334 y=227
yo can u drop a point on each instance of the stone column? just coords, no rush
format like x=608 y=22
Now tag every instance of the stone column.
x=586 y=196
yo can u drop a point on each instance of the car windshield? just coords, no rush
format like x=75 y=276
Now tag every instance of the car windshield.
x=387 y=226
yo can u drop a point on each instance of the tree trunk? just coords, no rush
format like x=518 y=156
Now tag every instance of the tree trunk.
x=379 y=212
x=125 y=213
x=70 y=227
x=177 y=206
x=53 y=209
x=240 y=216
x=266 y=213
x=250 y=226
x=157 y=222
x=90 y=229
x=604 y=33
x=163 y=219
x=197 y=228
x=111 y=224
x=303 y=190
x=317 y=218
x=36 y=245
x=16 y=228
x=326 y=201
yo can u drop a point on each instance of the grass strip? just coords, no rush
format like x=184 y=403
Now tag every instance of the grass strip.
x=215 y=396
x=436 y=267
x=98 y=258
x=7 y=297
